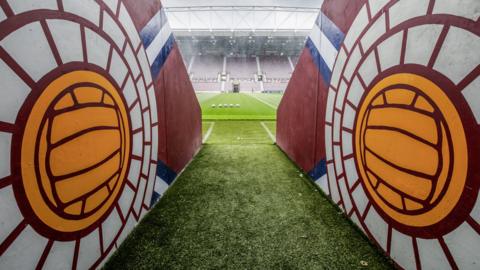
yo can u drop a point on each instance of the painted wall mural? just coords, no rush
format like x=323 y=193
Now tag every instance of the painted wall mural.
x=401 y=125
x=79 y=128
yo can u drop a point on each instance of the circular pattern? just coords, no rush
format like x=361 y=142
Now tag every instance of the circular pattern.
x=79 y=143
x=412 y=165
x=88 y=182
x=426 y=62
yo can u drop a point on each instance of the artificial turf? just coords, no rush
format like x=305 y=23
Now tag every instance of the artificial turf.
x=250 y=108
x=242 y=204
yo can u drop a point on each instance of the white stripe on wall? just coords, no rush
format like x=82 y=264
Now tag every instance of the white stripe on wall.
x=324 y=46
x=157 y=44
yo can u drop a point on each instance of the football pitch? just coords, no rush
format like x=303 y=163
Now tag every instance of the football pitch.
x=239 y=106
x=242 y=204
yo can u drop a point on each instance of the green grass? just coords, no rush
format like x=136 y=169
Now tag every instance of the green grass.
x=202 y=97
x=251 y=108
x=272 y=99
x=239 y=132
x=272 y=126
x=205 y=127
x=242 y=204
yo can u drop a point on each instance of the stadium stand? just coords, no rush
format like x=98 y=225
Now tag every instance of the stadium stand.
x=216 y=60
x=205 y=73
x=207 y=86
x=277 y=71
x=242 y=68
x=243 y=71
x=275 y=86
x=245 y=86
x=206 y=67
x=276 y=67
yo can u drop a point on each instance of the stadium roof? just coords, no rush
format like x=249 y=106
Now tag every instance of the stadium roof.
x=266 y=17
x=316 y=4
x=241 y=46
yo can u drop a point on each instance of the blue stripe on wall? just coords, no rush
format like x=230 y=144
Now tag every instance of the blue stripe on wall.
x=162 y=56
x=317 y=58
x=330 y=30
x=319 y=170
x=155 y=198
x=164 y=172
x=153 y=27
x=166 y=175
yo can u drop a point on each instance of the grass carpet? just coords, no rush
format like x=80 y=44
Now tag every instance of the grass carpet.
x=242 y=204
x=250 y=108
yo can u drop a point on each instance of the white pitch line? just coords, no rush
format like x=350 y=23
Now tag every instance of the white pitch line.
x=264 y=102
x=209 y=132
x=268 y=131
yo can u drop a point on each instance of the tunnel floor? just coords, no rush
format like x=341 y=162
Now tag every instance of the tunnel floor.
x=242 y=204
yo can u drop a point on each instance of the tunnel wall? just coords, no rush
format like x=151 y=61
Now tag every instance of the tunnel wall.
x=97 y=118
x=394 y=120
x=297 y=137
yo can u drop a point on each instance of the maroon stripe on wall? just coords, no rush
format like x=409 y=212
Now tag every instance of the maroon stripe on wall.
x=322 y=95
x=297 y=137
x=342 y=12
x=162 y=133
x=142 y=11
x=183 y=124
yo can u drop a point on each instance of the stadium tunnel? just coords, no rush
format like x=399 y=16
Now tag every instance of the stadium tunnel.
x=387 y=94
x=382 y=111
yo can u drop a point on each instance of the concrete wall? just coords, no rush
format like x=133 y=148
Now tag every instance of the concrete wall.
x=395 y=124
x=97 y=117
